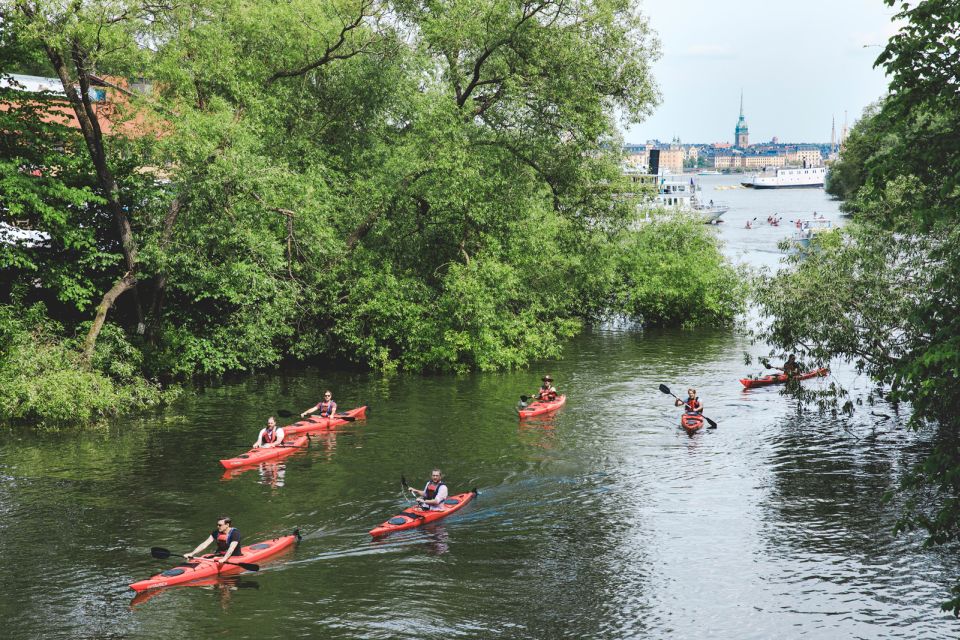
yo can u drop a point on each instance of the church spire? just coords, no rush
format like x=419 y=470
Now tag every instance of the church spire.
x=741 y=104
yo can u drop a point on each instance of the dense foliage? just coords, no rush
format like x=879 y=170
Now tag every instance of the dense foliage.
x=401 y=185
x=886 y=295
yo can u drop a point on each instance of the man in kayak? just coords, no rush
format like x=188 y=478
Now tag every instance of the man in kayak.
x=270 y=436
x=790 y=367
x=547 y=392
x=692 y=403
x=433 y=494
x=325 y=408
x=226 y=537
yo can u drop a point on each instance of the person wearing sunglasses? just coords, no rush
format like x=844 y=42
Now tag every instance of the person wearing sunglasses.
x=225 y=535
x=325 y=408
x=433 y=494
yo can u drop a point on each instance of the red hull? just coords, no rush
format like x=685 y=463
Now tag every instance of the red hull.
x=781 y=378
x=537 y=408
x=314 y=423
x=256 y=456
x=412 y=517
x=198 y=570
x=691 y=422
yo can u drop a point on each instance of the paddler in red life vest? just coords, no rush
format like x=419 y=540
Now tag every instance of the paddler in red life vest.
x=692 y=403
x=270 y=436
x=226 y=537
x=325 y=408
x=433 y=494
x=547 y=392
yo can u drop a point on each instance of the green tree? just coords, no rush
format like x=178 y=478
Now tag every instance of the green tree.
x=884 y=294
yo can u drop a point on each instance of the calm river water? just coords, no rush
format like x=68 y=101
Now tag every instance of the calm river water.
x=604 y=521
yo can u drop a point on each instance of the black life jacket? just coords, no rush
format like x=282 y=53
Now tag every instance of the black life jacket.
x=221 y=540
x=430 y=491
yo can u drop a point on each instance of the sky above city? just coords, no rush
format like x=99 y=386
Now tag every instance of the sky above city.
x=798 y=64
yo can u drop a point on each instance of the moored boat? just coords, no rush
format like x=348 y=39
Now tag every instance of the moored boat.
x=206 y=567
x=781 y=378
x=413 y=516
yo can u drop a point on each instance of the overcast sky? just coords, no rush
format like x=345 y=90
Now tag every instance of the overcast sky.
x=798 y=63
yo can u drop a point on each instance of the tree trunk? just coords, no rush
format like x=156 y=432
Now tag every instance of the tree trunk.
x=127 y=282
x=93 y=136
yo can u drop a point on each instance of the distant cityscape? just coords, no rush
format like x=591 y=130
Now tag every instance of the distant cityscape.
x=740 y=155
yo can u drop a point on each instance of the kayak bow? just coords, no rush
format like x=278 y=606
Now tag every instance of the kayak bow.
x=781 y=378
x=413 y=516
x=199 y=569
x=256 y=456
x=538 y=407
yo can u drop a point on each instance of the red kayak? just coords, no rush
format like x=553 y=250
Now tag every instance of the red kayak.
x=256 y=456
x=200 y=569
x=538 y=407
x=780 y=378
x=414 y=516
x=314 y=423
x=691 y=421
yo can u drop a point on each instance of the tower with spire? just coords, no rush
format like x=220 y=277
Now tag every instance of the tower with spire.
x=741 y=134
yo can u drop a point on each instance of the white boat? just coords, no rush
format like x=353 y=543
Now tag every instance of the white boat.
x=708 y=172
x=788 y=178
x=807 y=229
x=681 y=195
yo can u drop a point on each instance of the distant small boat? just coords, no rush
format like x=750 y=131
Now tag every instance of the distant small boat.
x=708 y=172
x=809 y=228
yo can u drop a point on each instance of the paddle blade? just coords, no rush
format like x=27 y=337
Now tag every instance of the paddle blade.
x=284 y=413
x=713 y=425
x=524 y=398
x=296 y=532
x=247 y=566
x=665 y=389
x=160 y=552
x=403 y=481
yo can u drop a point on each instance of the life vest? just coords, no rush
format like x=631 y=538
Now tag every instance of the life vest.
x=430 y=491
x=222 y=540
x=692 y=406
x=548 y=393
x=327 y=407
x=269 y=437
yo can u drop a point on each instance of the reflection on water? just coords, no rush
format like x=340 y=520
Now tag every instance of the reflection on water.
x=605 y=520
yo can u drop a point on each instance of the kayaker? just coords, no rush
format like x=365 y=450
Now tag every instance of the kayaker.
x=547 y=392
x=692 y=403
x=791 y=366
x=325 y=408
x=434 y=492
x=270 y=435
x=226 y=537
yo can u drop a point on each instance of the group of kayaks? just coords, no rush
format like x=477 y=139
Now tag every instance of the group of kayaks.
x=200 y=569
x=694 y=421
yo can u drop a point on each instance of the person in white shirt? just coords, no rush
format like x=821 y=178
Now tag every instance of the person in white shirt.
x=433 y=494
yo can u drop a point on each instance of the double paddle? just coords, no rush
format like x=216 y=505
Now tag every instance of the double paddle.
x=163 y=554
x=665 y=389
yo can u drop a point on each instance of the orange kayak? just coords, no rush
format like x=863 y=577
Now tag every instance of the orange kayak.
x=537 y=407
x=200 y=569
x=691 y=421
x=314 y=423
x=781 y=378
x=414 y=516
x=256 y=456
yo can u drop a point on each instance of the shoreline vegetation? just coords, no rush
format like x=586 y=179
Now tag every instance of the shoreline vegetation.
x=400 y=186
x=882 y=293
